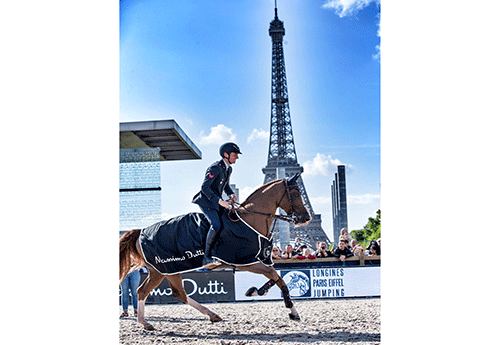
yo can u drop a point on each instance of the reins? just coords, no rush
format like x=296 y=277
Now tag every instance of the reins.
x=269 y=215
x=286 y=218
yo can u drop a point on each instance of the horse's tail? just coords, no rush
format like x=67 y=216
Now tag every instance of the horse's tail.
x=130 y=258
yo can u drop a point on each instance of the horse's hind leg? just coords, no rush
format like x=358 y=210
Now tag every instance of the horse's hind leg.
x=178 y=292
x=152 y=281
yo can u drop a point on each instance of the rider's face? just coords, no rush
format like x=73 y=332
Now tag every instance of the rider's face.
x=233 y=156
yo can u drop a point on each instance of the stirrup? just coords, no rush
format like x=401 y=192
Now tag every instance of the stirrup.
x=212 y=264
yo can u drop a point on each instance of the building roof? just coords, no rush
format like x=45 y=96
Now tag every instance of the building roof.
x=174 y=144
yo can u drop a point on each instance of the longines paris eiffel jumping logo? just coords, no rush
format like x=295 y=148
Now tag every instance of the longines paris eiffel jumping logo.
x=298 y=282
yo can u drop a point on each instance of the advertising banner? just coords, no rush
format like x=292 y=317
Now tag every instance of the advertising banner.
x=315 y=283
x=245 y=280
x=201 y=286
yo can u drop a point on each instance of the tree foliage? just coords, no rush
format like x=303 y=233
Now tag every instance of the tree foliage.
x=371 y=231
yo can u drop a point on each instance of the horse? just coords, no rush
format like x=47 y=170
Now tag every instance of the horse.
x=258 y=211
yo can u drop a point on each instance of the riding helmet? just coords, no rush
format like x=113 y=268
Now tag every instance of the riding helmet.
x=229 y=147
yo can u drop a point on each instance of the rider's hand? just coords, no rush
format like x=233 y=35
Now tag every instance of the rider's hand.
x=234 y=198
x=224 y=204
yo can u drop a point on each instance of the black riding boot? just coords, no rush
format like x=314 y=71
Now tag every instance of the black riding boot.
x=211 y=236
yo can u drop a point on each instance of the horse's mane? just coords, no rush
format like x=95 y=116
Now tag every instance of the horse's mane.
x=263 y=187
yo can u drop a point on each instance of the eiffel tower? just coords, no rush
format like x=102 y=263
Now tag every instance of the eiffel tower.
x=282 y=158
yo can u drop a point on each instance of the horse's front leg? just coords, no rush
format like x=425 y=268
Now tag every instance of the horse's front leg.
x=264 y=289
x=294 y=315
x=274 y=278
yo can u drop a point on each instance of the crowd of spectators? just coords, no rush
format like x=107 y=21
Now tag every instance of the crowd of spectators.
x=347 y=247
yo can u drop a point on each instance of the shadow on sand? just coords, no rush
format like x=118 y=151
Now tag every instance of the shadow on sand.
x=302 y=337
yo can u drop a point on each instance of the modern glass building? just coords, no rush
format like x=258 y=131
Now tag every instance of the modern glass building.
x=339 y=203
x=140 y=188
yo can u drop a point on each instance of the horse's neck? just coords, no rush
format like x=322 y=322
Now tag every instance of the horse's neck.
x=263 y=202
x=264 y=199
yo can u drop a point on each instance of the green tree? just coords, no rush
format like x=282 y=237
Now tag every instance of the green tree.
x=371 y=231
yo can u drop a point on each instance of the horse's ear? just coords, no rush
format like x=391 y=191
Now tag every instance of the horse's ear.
x=293 y=179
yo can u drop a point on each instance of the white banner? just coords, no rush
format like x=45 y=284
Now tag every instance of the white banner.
x=314 y=283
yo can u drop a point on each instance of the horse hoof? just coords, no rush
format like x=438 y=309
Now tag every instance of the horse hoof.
x=148 y=326
x=294 y=317
x=251 y=292
x=215 y=318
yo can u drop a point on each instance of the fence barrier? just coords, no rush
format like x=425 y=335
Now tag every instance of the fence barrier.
x=316 y=278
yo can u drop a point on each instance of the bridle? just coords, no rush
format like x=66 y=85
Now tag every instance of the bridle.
x=290 y=218
x=288 y=188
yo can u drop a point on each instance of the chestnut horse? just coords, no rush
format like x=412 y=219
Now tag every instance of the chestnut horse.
x=258 y=211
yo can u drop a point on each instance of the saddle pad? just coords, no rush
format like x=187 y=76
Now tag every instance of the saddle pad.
x=240 y=244
x=177 y=245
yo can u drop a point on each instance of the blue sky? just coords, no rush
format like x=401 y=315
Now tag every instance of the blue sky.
x=207 y=64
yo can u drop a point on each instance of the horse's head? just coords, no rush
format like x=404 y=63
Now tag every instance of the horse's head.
x=292 y=202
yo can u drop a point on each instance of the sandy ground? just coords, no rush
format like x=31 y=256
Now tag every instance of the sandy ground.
x=335 y=321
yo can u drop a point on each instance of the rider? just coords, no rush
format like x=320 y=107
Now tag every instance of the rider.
x=209 y=199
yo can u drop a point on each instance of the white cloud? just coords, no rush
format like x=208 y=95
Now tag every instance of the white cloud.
x=347 y=7
x=322 y=165
x=218 y=135
x=258 y=134
x=364 y=199
x=376 y=56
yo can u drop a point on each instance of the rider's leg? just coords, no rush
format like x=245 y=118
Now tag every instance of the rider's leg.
x=213 y=217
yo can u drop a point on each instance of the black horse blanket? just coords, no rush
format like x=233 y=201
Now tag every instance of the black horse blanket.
x=177 y=245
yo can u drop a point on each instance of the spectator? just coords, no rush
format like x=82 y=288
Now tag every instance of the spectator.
x=342 y=252
x=307 y=254
x=300 y=256
x=298 y=246
x=289 y=253
x=344 y=234
x=318 y=246
x=131 y=282
x=323 y=252
x=300 y=249
x=276 y=253
x=297 y=243
x=373 y=249
x=357 y=249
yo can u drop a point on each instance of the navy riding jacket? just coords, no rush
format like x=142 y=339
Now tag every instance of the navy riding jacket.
x=216 y=180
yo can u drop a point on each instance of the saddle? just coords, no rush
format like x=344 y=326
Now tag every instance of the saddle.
x=177 y=245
